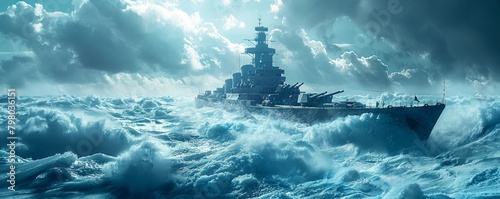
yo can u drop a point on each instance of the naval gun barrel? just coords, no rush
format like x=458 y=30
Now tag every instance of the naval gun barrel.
x=334 y=93
x=297 y=86
x=317 y=95
x=294 y=85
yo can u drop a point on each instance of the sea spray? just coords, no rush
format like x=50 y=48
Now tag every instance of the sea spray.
x=143 y=168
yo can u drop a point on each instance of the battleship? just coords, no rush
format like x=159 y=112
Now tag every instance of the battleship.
x=260 y=88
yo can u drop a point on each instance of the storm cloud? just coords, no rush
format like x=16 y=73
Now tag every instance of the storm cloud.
x=101 y=38
x=460 y=36
x=384 y=45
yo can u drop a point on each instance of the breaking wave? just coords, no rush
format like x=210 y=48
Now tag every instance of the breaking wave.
x=163 y=147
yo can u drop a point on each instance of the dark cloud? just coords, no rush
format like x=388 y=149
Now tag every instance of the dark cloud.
x=101 y=37
x=368 y=71
x=108 y=37
x=19 y=26
x=300 y=62
x=297 y=56
x=459 y=35
x=428 y=40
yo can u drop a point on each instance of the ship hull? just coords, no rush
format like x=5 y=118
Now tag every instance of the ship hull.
x=420 y=119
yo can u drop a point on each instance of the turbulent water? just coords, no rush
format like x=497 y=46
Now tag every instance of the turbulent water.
x=165 y=148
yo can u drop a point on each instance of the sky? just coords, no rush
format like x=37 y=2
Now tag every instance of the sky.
x=180 y=48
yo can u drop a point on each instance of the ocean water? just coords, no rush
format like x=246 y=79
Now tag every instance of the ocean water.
x=162 y=147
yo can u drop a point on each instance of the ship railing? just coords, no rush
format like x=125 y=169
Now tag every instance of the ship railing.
x=405 y=104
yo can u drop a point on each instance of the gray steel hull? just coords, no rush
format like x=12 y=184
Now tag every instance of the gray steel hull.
x=420 y=119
